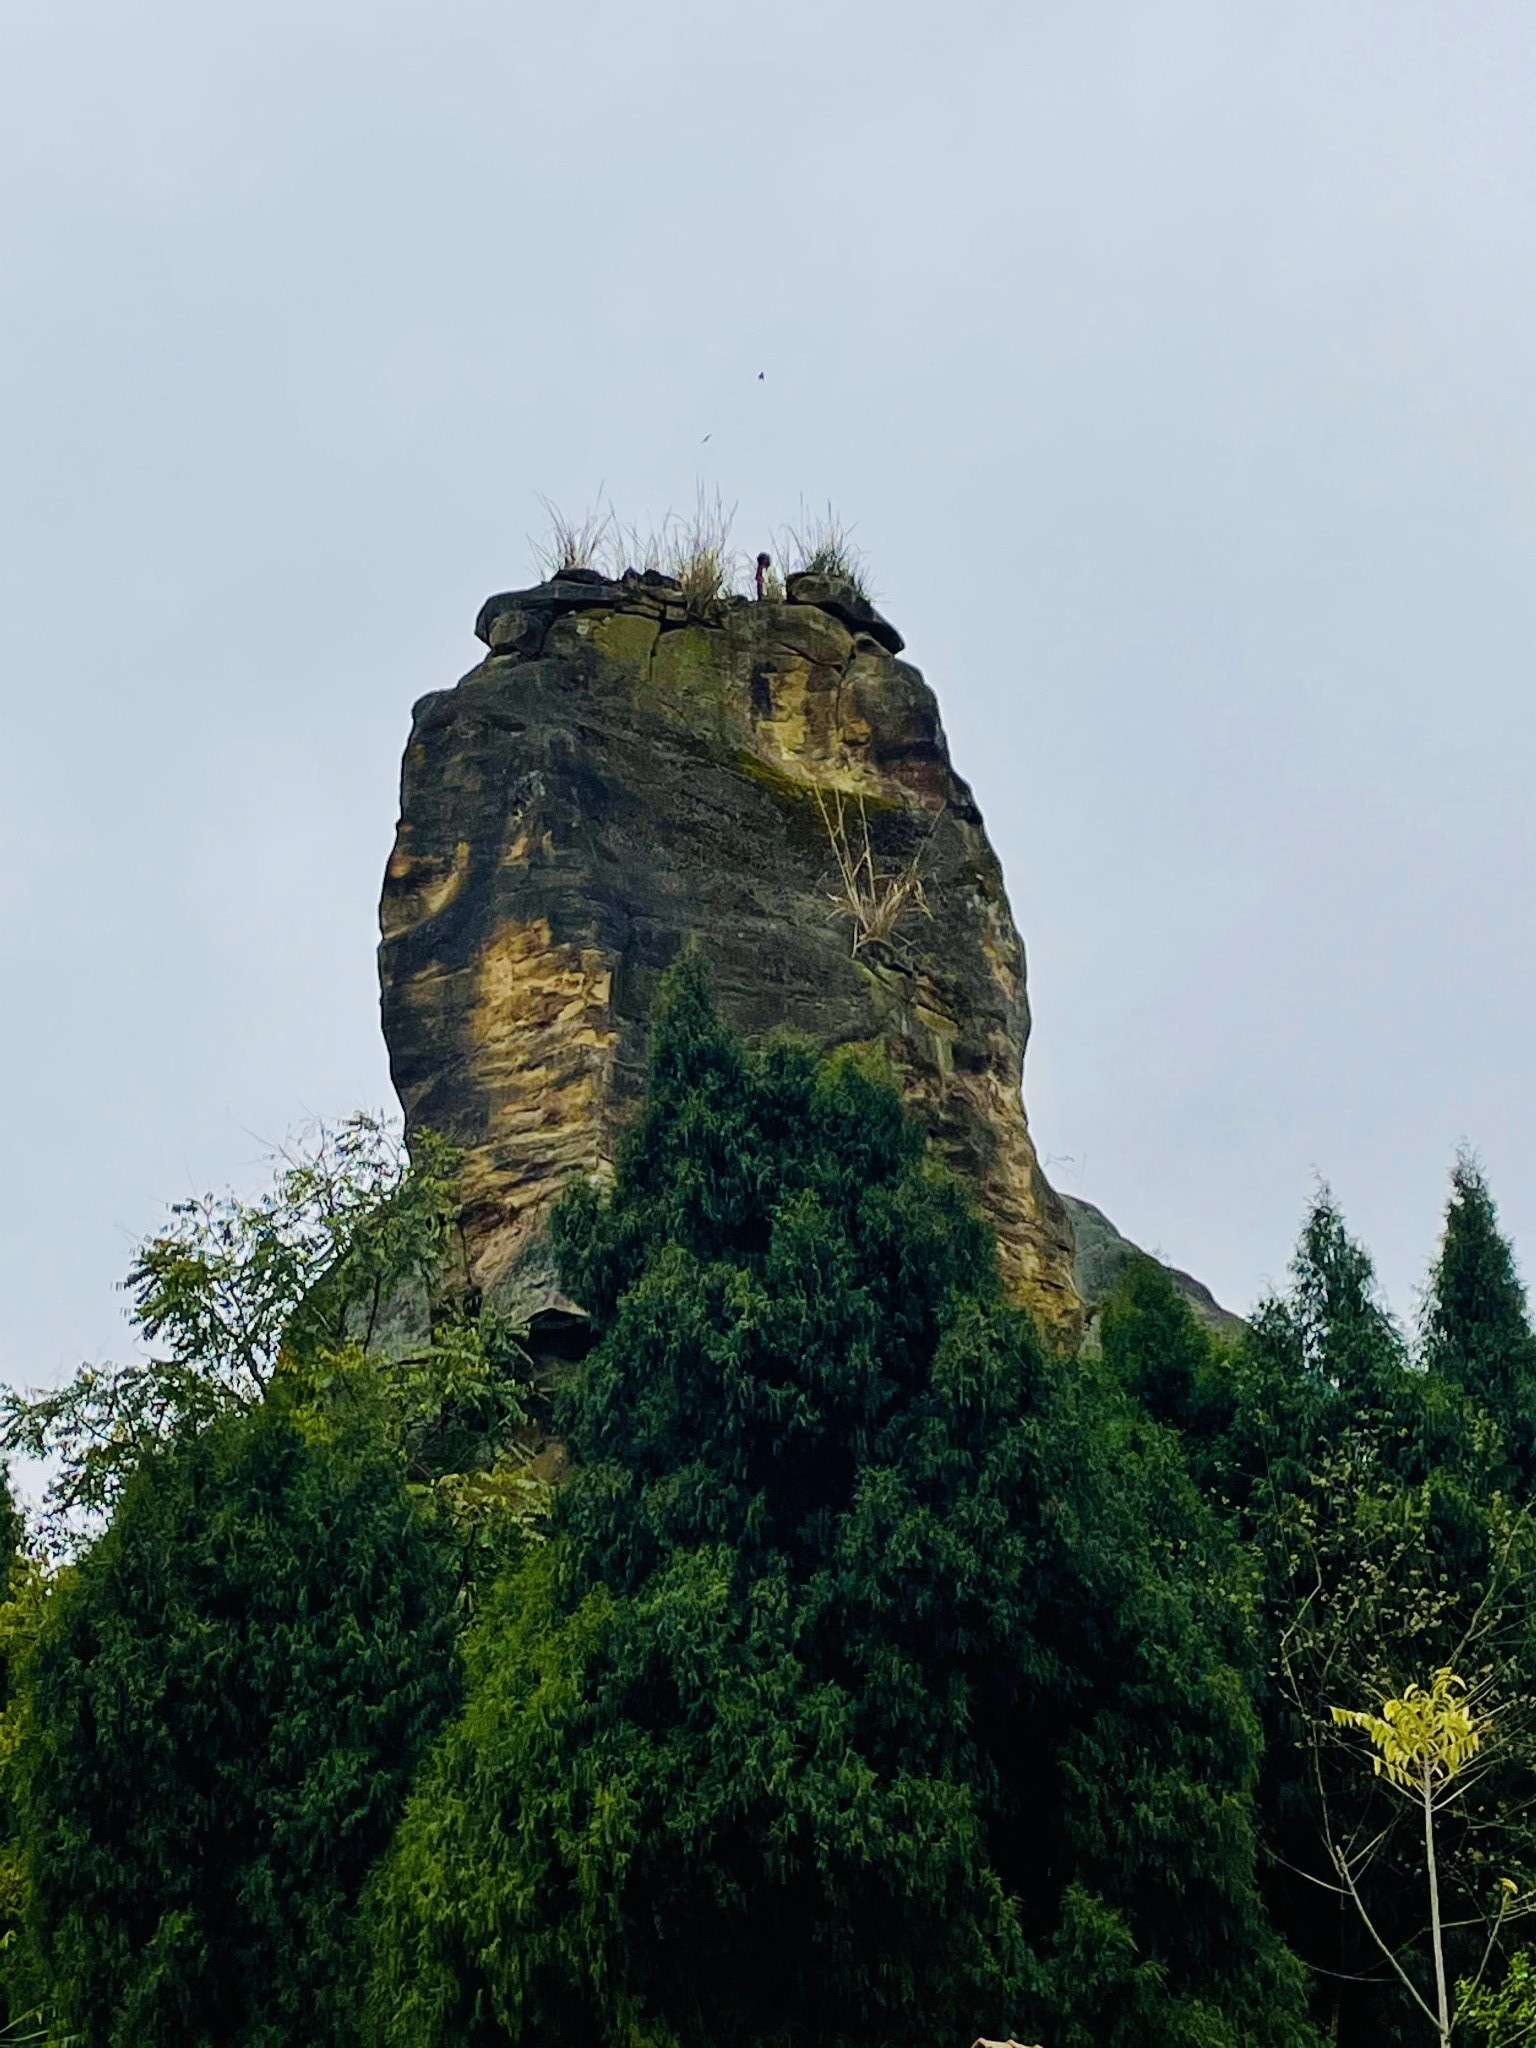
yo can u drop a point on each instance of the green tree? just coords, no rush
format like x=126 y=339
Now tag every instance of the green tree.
x=23 y=1591
x=226 y=1292
x=342 y=1283
x=1476 y=1329
x=1157 y=1349
x=221 y=1702
x=223 y=1713
x=881 y=1680
x=1369 y=1488
x=1504 y=2014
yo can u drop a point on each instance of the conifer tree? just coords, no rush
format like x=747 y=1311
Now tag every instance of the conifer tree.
x=880 y=1680
x=220 y=1705
x=1370 y=1489
x=1477 y=1332
x=1156 y=1348
x=19 y=1603
x=223 y=1713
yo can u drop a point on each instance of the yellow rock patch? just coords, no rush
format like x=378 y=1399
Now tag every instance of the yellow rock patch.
x=543 y=1043
x=420 y=888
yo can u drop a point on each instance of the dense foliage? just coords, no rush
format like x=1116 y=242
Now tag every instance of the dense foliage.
x=1383 y=1492
x=218 y=1707
x=875 y=1674
x=883 y=1680
x=227 y=1703
x=20 y=1608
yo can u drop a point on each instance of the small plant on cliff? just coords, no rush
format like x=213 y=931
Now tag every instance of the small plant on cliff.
x=571 y=543
x=700 y=554
x=872 y=898
x=821 y=545
x=633 y=547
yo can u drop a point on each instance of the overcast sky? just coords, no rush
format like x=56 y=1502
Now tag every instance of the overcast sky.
x=1174 y=361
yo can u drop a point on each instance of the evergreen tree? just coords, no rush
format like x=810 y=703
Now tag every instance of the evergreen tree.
x=880 y=1681
x=12 y=1566
x=224 y=1710
x=1155 y=1347
x=219 y=1707
x=1477 y=1333
x=1368 y=1487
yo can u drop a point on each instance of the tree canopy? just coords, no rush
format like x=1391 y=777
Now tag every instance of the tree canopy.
x=876 y=1672
x=216 y=1708
x=1380 y=1489
x=226 y=1704
x=883 y=1678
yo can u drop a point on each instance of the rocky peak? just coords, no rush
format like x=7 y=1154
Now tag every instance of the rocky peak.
x=627 y=768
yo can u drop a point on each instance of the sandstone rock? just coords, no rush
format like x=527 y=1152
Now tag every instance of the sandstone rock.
x=516 y=632
x=570 y=817
x=837 y=595
x=576 y=590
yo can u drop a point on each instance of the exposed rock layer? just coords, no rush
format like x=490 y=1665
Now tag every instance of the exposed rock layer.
x=618 y=774
x=1103 y=1255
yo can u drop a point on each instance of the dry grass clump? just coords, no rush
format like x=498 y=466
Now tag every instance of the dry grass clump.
x=572 y=543
x=697 y=550
x=701 y=556
x=821 y=545
x=630 y=548
x=875 y=900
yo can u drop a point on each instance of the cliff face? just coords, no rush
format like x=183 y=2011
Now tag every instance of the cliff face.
x=618 y=775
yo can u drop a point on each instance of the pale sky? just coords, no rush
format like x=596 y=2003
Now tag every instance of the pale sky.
x=1173 y=362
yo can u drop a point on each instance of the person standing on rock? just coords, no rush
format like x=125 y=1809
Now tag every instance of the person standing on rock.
x=764 y=564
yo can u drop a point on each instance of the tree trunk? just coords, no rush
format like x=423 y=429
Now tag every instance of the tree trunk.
x=1434 y=1910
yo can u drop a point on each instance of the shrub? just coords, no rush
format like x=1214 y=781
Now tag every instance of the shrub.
x=570 y=543
x=700 y=554
x=821 y=545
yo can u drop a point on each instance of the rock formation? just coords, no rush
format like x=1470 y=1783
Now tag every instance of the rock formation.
x=625 y=769
x=1103 y=1255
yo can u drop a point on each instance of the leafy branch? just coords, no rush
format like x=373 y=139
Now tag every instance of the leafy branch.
x=296 y=1289
x=1423 y=1745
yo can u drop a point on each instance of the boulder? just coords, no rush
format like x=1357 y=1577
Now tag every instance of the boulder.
x=845 y=601
x=572 y=590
